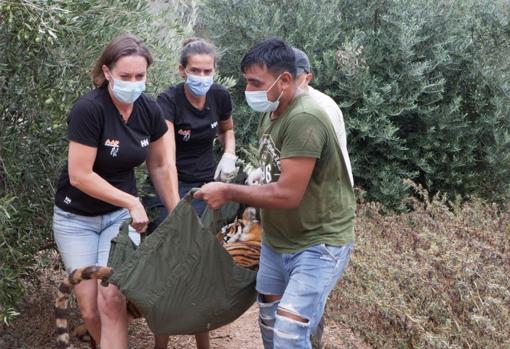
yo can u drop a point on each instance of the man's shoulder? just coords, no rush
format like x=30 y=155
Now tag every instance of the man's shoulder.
x=323 y=100
x=319 y=95
x=305 y=108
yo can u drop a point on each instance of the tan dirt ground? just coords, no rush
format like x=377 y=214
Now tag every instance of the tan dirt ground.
x=34 y=327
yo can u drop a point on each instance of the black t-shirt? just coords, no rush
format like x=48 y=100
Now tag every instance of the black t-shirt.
x=195 y=129
x=95 y=121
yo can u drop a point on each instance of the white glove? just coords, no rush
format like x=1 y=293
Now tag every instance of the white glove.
x=254 y=176
x=226 y=170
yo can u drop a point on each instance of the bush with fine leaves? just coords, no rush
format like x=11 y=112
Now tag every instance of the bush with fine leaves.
x=48 y=48
x=424 y=85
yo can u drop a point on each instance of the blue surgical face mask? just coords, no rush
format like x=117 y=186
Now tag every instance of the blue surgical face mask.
x=199 y=85
x=126 y=91
x=258 y=101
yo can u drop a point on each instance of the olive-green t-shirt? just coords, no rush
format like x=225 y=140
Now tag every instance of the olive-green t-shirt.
x=326 y=212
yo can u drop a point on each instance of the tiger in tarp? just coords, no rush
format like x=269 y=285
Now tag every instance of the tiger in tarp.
x=241 y=239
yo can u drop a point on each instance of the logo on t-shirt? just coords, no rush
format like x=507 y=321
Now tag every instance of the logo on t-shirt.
x=114 y=144
x=67 y=200
x=214 y=124
x=144 y=143
x=269 y=160
x=186 y=134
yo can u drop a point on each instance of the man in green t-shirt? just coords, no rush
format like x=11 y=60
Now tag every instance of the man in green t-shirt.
x=306 y=199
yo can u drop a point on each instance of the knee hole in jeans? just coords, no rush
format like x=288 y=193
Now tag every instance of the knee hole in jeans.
x=288 y=329
x=267 y=310
x=288 y=314
x=268 y=298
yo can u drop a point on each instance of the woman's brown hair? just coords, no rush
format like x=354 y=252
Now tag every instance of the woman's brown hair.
x=197 y=46
x=121 y=46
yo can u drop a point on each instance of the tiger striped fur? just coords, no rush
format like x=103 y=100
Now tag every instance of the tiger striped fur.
x=62 y=302
x=245 y=253
x=247 y=228
x=241 y=239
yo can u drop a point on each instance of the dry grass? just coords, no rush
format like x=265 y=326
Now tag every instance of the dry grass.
x=437 y=277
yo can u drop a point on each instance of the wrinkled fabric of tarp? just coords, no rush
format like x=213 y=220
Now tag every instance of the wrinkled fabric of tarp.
x=180 y=277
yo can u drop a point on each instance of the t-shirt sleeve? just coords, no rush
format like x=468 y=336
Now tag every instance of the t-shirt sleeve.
x=224 y=105
x=159 y=126
x=305 y=136
x=167 y=105
x=84 y=123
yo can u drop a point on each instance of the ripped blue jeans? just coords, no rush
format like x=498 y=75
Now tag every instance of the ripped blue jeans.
x=304 y=279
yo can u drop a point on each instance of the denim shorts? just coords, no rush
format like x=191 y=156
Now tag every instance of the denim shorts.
x=304 y=279
x=83 y=240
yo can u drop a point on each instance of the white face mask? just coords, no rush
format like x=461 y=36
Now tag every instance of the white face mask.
x=257 y=100
x=199 y=85
x=126 y=91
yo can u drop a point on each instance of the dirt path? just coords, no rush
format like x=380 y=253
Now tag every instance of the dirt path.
x=32 y=330
x=244 y=334
x=34 y=327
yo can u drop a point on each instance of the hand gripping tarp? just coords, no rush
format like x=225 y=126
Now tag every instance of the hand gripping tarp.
x=180 y=277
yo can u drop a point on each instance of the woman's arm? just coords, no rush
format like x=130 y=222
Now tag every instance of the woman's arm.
x=226 y=135
x=162 y=169
x=226 y=169
x=81 y=175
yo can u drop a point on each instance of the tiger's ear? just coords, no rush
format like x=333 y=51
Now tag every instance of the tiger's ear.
x=250 y=214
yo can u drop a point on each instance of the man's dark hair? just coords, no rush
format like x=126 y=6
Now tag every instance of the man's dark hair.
x=275 y=54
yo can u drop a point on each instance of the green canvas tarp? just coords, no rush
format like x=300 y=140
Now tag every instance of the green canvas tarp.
x=180 y=277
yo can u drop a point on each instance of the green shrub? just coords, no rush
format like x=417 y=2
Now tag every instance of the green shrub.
x=48 y=48
x=433 y=278
x=10 y=288
x=424 y=85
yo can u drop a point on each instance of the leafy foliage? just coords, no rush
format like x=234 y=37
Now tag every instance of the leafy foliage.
x=48 y=48
x=424 y=85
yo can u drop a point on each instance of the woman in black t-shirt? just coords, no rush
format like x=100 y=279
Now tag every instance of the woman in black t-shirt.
x=197 y=111
x=112 y=129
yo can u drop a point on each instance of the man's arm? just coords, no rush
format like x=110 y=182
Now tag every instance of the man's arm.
x=287 y=192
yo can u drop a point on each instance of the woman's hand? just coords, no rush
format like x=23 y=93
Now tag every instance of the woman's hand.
x=140 y=221
x=226 y=170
